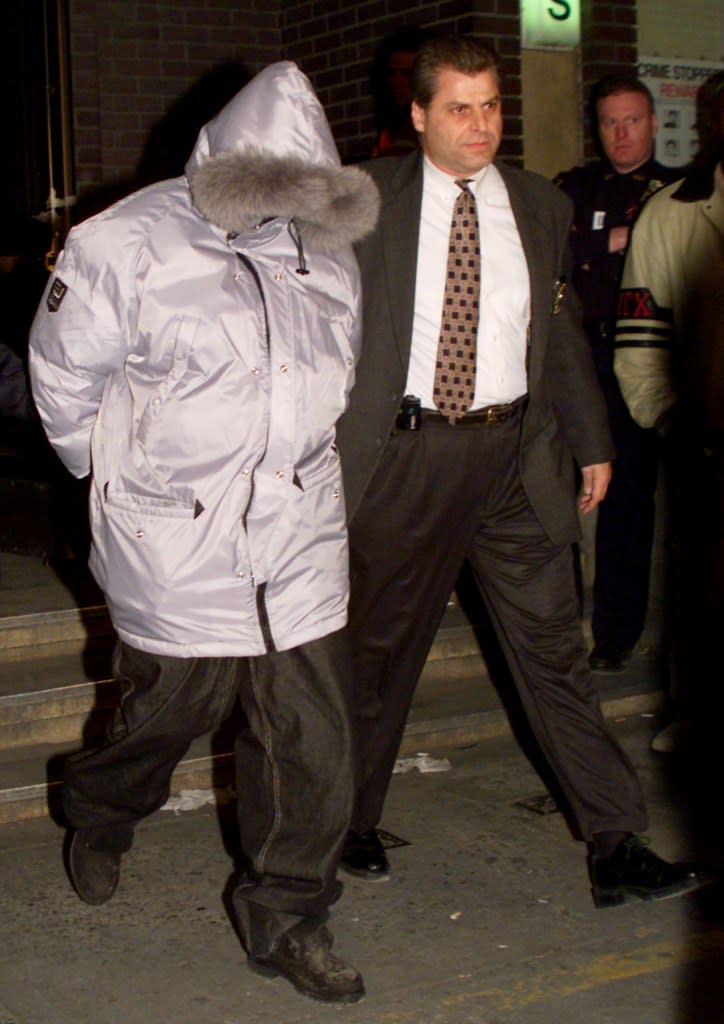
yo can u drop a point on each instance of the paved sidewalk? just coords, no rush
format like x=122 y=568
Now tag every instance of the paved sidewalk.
x=487 y=918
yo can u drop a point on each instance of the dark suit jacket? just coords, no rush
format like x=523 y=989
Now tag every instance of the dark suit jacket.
x=566 y=415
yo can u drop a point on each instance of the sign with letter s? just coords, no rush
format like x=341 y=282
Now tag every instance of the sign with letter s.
x=550 y=24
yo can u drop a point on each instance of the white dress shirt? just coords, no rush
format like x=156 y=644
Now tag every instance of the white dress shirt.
x=504 y=297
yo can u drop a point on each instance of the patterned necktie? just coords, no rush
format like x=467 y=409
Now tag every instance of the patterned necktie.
x=454 y=388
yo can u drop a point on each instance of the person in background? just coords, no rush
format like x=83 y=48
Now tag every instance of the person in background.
x=670 y=365
x=391 y=91
x=607 y=197
x=475 y=396
x=15 y=400
x=22 y=281
x=193 y=351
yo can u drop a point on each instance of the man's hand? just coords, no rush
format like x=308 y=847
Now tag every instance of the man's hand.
x=595 y=484
x=618 y=238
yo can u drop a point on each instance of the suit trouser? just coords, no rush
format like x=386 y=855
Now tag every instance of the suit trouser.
x=625 y=527
x=441 y=495
x=294 y=769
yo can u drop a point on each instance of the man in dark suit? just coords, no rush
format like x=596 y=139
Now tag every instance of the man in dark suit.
x=446 y=462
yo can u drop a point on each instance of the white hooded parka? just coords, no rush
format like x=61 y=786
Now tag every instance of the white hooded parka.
x=195 y=348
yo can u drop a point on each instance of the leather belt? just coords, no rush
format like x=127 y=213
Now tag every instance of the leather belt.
x=490 y=414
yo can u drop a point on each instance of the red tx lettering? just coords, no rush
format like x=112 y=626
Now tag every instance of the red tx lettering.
x=636 y=304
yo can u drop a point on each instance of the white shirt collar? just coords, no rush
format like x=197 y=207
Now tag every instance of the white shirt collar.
x=443 y=184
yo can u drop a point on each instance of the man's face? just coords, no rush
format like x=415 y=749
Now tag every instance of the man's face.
x=460 y=130
x=626 y=127
x=399 y=67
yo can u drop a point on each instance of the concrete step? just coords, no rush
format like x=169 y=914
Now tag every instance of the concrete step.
x=67 y=696
x=456 y=705
x=56 y=682
x=30 y=781
x=30 y=784
x=57 y=692
x=37 y=631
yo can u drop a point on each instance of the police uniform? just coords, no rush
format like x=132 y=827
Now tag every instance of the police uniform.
x=604 y=199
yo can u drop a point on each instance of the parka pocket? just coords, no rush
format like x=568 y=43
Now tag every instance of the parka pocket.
x=318 y=471
x=183 y=506
x=320 y=499
x=146 y=546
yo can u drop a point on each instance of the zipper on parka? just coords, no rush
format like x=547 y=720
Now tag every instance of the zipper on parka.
x=261 y=608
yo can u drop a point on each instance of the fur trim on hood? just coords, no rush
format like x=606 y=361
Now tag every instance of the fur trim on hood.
x=331 y=206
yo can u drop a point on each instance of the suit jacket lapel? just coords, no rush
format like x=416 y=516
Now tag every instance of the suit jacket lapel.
x=536 y=247
x=400 y=224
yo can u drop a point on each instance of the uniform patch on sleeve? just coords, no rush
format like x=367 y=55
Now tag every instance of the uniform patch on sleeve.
x=56 y=295
x=639 y=304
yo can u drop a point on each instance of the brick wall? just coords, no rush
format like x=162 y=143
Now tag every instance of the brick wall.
x=142 y=68
x=147 y=74
x=499 y=22
x=608 y=45
x=335 y=42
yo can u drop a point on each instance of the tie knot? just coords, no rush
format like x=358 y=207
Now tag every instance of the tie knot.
x=463 y=183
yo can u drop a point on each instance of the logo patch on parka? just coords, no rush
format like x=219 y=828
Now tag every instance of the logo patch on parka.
x=56 y=295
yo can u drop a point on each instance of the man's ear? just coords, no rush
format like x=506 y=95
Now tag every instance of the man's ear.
x=418 y=116
x=654 y=124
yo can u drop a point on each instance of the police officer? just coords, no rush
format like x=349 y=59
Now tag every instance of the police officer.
x=607 y=196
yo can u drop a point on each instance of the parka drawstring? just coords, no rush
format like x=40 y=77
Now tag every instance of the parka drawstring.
x=297 y=239
x=295 y=236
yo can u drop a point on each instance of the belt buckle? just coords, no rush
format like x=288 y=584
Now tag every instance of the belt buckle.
x=490 y=415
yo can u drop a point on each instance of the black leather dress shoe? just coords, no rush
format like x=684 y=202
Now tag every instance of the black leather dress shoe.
x=307 y=962
x=94 y=873
x=634 y=872
x=364 y=855
x=607 y=658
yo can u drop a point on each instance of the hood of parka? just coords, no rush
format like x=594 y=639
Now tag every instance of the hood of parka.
x=270 y=153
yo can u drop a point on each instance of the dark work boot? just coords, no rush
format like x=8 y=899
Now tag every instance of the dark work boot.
x=94 y=873
x=307 y=962
x=607 y=657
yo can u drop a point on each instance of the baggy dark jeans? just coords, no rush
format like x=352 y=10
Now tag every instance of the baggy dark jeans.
x=294 y=769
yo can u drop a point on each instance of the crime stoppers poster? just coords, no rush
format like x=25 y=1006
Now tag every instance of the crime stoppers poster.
x=674 y=83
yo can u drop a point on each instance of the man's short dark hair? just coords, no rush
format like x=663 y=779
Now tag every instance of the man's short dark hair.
x=456 y=53
x=709 y=106
x=614 y=85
